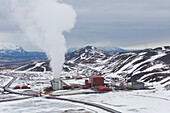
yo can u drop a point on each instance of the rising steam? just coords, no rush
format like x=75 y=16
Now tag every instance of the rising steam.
x=43 y=22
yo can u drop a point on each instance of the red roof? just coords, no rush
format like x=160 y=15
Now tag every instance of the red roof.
x=67 y=87
x=17 y=87
x=25 y=87
x=76 y=86
x=78 y=77
x=85 y=87
x=93 y=76
x=103 y=88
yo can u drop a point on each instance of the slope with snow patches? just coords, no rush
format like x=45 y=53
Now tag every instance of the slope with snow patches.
x=149 y=66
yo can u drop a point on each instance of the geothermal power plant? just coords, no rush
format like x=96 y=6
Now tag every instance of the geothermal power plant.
x=57 y=84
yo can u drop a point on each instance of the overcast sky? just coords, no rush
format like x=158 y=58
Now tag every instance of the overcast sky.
x=129 y=24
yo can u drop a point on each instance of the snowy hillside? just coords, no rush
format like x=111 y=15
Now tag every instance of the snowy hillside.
x=151 y=65
x=89 y=54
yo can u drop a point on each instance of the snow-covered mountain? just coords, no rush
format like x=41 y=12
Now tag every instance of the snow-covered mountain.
x=71 y=50
x=13 y=55
x=8 y=46
x=151 y=65
x=87 y=54
x=10 y=49
x=104 y=48
x=112 y=49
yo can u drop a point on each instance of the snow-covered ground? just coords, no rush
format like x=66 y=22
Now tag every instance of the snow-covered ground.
x=4 y=80
x=35 y=80
x=11 y=96
x=42 y=105
x=139 y=101
x=136 y=101
x=68 y=92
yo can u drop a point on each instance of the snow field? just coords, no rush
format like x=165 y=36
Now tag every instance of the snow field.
x=141 y=101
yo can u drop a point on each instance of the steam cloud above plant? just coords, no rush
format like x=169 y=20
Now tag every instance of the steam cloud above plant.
x=43 y=22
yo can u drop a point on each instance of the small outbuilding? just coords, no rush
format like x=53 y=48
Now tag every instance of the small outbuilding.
x=25 y=87
x=85 y=87
x=137 y=85
x=76 y=86
x=103 y=88
x=17 y=87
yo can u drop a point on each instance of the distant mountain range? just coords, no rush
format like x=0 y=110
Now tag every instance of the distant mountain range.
x=8 y=49
x=13 y=55
x=106 y=49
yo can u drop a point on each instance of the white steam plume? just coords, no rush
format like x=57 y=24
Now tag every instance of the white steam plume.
x=43 y=22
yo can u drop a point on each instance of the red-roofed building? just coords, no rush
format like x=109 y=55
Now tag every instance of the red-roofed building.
x=25 y=87
x=17 y=87
x=103 y=88
x=96 y=81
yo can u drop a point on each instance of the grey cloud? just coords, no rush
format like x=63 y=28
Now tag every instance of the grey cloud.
x=124 y=22
x=121 y=22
